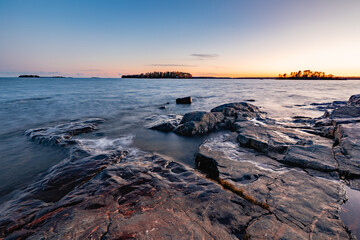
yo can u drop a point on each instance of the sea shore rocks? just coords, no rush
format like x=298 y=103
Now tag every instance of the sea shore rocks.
x=262 y=180
x=221 y=117
x=199 y=123
x=302 y=206
x=125 y=195
x=62 y=134
x=185 y=100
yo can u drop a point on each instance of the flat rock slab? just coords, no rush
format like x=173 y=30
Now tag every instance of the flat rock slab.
x=302 y=206
x=142 y=197
x=288 y=145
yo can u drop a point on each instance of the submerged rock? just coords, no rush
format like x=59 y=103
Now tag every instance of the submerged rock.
x=62 y=134
x=165 y=123
x=185 y=100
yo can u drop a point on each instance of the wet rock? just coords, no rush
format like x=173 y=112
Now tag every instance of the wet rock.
x=165 y=123
x=199 y=123
x=63 y=133
x=162 y=107
x=288 y=146
x=185 y=100
x=354 y=100
x=302 y=206
x=347 y=150
x=240 y=110
x=329 y=105
x=346 y=112
x=142 y=197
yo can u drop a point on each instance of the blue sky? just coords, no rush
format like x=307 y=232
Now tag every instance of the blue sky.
x=204 y=37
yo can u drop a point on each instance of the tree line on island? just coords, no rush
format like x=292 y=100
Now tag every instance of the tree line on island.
x=307 y=74
x=160 y=75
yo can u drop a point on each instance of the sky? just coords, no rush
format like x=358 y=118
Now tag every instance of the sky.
x=234 y=38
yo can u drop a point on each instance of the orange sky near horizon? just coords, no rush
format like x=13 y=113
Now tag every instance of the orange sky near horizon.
x=238 y=38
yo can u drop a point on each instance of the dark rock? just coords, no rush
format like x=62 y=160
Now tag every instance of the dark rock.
x=185 y=100
x=297 y=200
x=142 y=197
x=240 y=110
x=346 y=112
x=250 y=100
x=354 y=100
x=199 y=123
x=162 y=107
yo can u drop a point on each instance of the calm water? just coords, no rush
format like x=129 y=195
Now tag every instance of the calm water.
x=126 y=104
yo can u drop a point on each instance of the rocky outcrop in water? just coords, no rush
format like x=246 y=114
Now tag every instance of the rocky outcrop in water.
x=185 y=100
x=125 y=195
x=221 y=117
x=199 y=123
x=264 y=180
x=63 y=133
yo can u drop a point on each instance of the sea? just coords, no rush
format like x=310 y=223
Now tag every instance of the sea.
x=129 y=106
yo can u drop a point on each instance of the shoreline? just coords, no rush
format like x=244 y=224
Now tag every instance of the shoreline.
x=258 y=151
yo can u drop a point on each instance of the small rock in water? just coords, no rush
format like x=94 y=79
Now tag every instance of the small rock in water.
x=250 y=100
x=162 y=107
x=185 y=100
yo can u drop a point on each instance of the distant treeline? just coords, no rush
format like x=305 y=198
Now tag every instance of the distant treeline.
x=160 y=75
x=307 y=74
x=37 y=76
x=29 y=76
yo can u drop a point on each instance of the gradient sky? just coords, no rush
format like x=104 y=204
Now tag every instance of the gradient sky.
x=204 y=37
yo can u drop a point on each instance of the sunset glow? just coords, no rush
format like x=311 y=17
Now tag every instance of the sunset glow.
x=206 y=38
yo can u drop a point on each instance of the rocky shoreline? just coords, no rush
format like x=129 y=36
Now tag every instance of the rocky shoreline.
x=263 y=179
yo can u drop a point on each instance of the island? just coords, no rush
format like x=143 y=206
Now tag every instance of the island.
x=160 y=75
x=307 y=74
x=29 y=76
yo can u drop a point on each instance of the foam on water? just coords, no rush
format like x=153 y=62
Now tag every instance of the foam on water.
x=106 y=145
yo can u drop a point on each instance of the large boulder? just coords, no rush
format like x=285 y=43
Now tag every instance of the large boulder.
x=199 y=123
x=239 y=110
